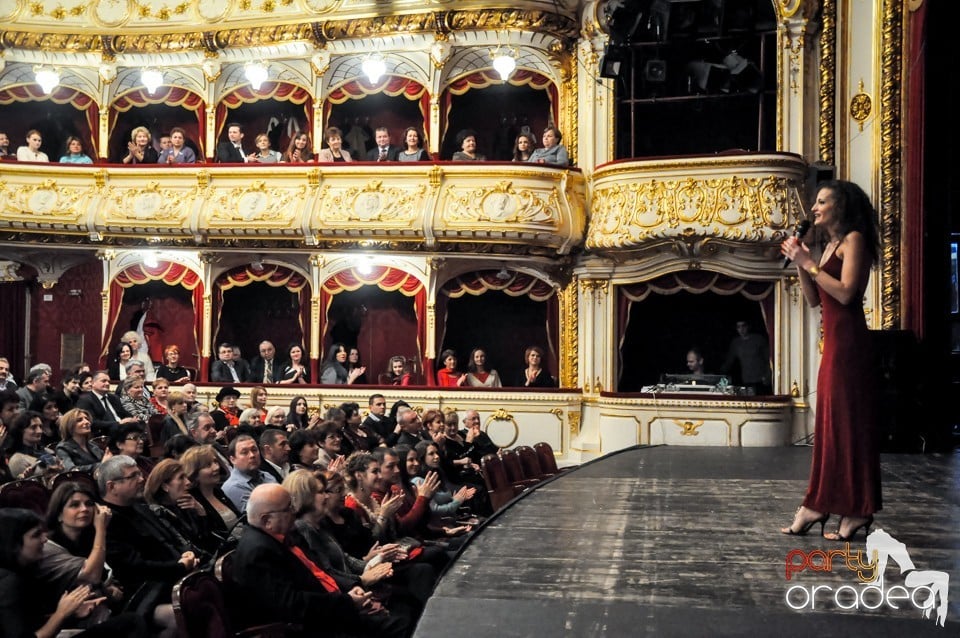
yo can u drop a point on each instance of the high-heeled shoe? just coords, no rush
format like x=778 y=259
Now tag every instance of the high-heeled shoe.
x=806 y=526
x=837 y=536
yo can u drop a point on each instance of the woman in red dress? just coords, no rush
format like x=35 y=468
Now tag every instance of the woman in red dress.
x=448 y=376
x=845 y=471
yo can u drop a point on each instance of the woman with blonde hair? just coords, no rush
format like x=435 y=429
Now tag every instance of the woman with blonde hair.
x=264 y=154
x=75 y=450
x=173 y=423
x=167 y=492
x=258 y=401
x=139 y=149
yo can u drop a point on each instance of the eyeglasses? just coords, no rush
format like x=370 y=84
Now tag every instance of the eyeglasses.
x=135 y=438
x=135 y=475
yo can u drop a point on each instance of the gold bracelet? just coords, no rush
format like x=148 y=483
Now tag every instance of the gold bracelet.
x=813 y=271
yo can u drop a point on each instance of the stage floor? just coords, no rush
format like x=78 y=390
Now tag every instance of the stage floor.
x=681 y=541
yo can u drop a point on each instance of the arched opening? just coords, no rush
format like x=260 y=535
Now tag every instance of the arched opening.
x=279 y=109
x=526 y=312
x=272 y=303
x=659 y=321
x=167 y=108
x=57 y=116
x=527 y=102
x=357 y=109
x=381 y=313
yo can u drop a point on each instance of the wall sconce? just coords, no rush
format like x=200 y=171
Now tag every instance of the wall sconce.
x=48 y=78
x=152 y=79
x=364 y=265
x=150 y=259
x=504 y=61
x=256 y=73
x=374 y=67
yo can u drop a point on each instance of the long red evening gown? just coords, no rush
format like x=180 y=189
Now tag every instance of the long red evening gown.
x=845 y=472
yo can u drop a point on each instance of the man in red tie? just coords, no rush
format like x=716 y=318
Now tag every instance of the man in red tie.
x=277 y=582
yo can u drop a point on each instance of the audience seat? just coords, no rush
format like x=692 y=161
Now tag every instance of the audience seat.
x=511 y=463
x=102 y=442
x=200 y=608
x=154 y=428
x=29 y=494
x=499 y=487
x=548 y=461
x=530 y=463
x=223 y=573
x=77 y=476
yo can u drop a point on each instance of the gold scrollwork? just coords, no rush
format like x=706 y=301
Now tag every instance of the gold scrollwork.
x=573 y=418
x=255 y=203
x=373 y=202
x=502 y=203
x=688 y=427
x=152 y=204
x=47 y=200
x=569 y=334
x=861 y=105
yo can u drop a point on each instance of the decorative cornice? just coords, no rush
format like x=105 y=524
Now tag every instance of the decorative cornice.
x=891 y=71
x=828 y=65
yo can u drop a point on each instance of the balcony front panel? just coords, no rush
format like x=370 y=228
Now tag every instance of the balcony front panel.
x=520 y=208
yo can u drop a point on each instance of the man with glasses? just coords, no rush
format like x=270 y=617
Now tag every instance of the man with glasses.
x=143 y=552
x=277 y=581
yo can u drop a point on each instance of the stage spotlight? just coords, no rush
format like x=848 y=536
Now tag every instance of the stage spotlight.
x=744 y=74
x=612 y=63
x=655 y=71
x=503 y=275
x=705 y=77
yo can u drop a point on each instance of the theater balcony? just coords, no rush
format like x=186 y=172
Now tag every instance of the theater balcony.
x=489 y=207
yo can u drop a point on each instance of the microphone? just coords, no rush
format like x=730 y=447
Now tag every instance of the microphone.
x=799 y=231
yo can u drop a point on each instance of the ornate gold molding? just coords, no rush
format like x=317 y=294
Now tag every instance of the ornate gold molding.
x=569 y=334
x=861 y=106
x=891 y=74
x=828 y=81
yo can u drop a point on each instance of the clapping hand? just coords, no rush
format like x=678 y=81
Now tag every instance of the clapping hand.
x=429 y=486
x=464 y=494
x=356 y=372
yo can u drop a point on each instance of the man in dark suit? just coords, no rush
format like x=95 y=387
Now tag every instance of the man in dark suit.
x=265 y=368
x=106 y=418
x=275 y=453
x=226 y=369
x=383 y=151
x=276 y=581
x=231 y=150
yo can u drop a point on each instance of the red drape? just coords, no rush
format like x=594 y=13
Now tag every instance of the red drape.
x=170 y=273
x=913 y=210
x=388 y=279
x=273 y=275
x=166 y=95
x=279 y=91
x=61 y=95
x=390 y=85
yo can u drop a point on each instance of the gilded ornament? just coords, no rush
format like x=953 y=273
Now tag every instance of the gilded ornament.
x=503 y=204
x=688 y=428
x=860 y=106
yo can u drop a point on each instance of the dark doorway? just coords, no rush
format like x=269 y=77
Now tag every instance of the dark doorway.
x=357 y=120
x=171 y=307
x=159 y=119
x=256 y=312
x=497 y=114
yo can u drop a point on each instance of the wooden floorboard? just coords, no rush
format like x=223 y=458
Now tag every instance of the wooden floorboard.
x=681 y=541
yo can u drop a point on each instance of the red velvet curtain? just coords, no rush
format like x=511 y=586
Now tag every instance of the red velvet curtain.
x=168 y=96
x=275 y=276
x=388 y=279
x=170 y=273
x=390 y=85
x=61 y=95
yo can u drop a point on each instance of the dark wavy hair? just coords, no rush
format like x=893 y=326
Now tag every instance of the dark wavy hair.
x=854 y=212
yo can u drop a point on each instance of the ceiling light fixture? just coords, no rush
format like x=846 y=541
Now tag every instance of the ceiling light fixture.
x=152 y=79
x=150 y=259
x=504 y=61
x=374 y=67
x=48 y=78
x=256 y=73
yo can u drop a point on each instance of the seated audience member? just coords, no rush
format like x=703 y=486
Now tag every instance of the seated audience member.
x=145 y=554
x=178 y=152
x=141 y=352
x=264 y=154
x=161 y=393
x=552 y=151
x=479 y=442
x=131 y=440
x=433 y=426
x=361 y=473
x=24 y=447
x=139 y=148
x=31 y=152
x=165 y=142
x=172 y=371
x=275 y=454
x=9 y=407
x=335 y=370
x=379 y=421
x=118 y=365
x=66 y=397
x=413 y=516
x=296 y=369
x=228 y=370
x=535 y=375
x=398 y=372
x=174 y=422
x=202 y=430
x=34 y=387
x=265 y=368
x=523 y=147
x=299 y=414
x=176 y=446
x=695 y=362
x=277 y=582
x=75 y=450
x=246 y=473
x=202 y=466
x=299 y=150
x=49 y=412
x=478 y=375
x=5 y=153
x=231 y=149
x=304 y=450
x=258 y=401
x=467 y=141
x=75 y=154
x=384 y=151
x=133 y=400
x=30 y=610
x=103 y=406
x=6 y=380
x=190 y=394
x=334 y=151
x=356 y=437
x=226 y=414
x=330 y=455
x=411 y=427
x=353 y=363
x=167 y=493
x=454 y=454
x=448 y=376
x=449 y=497
x=136 y=370
x=277 y=418
x=413 y=150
